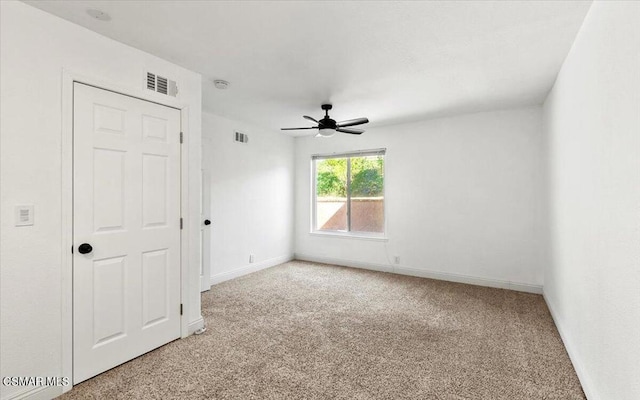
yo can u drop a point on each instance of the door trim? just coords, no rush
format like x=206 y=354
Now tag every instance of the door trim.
x=66 y=295
x=205 y=249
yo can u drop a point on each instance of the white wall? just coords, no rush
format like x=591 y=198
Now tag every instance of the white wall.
x=463 y=199
x=251 y=196
x=592 y=119
x=35 y=48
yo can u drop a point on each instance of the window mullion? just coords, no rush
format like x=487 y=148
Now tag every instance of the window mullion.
x=348 y=194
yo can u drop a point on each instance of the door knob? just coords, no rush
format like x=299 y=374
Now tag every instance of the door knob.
x=207 y=222
x=85 y=248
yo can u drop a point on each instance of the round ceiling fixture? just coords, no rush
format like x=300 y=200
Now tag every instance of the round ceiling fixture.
x=99 y=15
x=221 y=84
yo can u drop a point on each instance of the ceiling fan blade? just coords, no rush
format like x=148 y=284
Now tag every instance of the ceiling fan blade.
x=310 y=119
x=294 y=129
x=351 y=131
x=352 y=122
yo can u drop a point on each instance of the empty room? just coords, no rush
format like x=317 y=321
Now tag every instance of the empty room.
x=320 y=199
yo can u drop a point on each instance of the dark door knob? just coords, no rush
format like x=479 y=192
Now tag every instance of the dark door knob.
x=85 y=248
x=207 y=222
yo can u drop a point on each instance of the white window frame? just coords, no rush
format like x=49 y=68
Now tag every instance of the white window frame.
x=348 y=233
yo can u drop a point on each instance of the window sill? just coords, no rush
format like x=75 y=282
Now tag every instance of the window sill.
x=350 y=236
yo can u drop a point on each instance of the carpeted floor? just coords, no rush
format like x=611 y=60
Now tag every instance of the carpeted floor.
x=304 y=330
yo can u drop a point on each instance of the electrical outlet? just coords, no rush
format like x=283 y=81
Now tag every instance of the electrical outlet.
x=397 y=259
x=251 y=258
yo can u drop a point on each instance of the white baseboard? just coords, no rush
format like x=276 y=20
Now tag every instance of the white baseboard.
x=38 y=393
x=247 y=269
x=195 y=325
x=471 y=280
x=344 y=263
x=442 y=276
x=573 y=356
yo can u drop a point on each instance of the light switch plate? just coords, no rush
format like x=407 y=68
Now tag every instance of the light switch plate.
x=24 y=215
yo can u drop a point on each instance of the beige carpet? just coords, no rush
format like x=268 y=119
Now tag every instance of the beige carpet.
x=304 y=330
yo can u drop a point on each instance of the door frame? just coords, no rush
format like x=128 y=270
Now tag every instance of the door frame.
x=69 y=78
x=205 y=249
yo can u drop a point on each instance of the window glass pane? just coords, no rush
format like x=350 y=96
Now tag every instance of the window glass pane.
x=367 y=194
x=331 y=194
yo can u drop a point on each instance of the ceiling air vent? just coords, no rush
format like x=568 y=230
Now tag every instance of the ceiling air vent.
x=161 y=85
x=242 y=138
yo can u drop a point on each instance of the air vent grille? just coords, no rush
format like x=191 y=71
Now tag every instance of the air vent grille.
x=242 y=138
x=151 y=81
x=161 y=85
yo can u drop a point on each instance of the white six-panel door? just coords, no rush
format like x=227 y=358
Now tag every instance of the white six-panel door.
x=126 y=194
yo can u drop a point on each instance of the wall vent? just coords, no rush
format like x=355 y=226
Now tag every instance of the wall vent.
x=151 y=81
x=161 y=85
x=242 y=138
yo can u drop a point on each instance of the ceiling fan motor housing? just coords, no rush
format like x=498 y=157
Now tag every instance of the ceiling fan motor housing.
x=327 y=123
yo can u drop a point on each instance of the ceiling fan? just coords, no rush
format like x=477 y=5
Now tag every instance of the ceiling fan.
x=327 y=126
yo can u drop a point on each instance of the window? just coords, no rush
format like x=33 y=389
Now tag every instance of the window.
x=349 y=193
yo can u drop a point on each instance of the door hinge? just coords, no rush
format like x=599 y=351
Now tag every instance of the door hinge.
x=181 y=224
x=180 y=308
x=181 y=137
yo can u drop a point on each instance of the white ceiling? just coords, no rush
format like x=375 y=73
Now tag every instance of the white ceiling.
x=389 y=61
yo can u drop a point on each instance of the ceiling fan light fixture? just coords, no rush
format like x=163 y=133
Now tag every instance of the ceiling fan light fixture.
x=326 y=132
